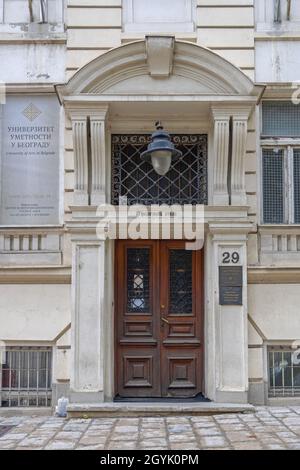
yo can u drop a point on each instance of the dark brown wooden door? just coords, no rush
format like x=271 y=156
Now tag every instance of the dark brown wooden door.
x=159 y=328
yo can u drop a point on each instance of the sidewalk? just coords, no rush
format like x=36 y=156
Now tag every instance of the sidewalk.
x=267 y=428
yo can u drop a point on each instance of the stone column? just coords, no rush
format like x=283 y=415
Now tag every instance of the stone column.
x=88 y=287
x=239 y=139
x=221 y=119
x=80 y=142
x=98 y=156
x=227 y=353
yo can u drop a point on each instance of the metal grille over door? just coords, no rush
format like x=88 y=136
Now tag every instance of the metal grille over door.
x=134 y=179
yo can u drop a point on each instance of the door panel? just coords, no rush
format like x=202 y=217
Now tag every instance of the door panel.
x=181 y=328
x=159 y=319
x=138 y=366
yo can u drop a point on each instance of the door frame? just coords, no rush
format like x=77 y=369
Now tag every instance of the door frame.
x=198 y=273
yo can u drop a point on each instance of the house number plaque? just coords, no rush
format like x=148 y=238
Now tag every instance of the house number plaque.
x=231 y=285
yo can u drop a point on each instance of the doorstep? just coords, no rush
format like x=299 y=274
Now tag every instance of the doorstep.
x=118 y=410
x=25 y=411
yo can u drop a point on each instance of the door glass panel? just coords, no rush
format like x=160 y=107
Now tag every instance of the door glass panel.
x=180 y=282
x=138 y=275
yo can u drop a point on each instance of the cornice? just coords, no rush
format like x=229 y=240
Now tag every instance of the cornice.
x=35 y=275
x=273 y=275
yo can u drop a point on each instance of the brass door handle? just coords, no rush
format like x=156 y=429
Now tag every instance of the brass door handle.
x=165 y=320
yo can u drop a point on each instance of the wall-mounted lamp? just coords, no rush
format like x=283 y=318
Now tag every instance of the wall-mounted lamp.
x=161 y=151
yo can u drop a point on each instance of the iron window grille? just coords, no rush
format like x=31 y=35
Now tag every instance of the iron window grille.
x=135 y=180
x=280 y=119
x=26 y=377
x=284 y=372
x=281 y=184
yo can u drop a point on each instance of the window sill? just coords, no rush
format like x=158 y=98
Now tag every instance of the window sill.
x=130 y=37
x=31 y=38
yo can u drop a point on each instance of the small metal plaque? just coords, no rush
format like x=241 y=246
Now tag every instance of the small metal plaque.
x=231 y=276
x=231 y=285
x=231 y=295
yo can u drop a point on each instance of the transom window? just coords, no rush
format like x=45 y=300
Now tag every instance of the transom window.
x=284 y=372
x=26 y=377
x=142 y=16
x=135 y=182
x=280 y=163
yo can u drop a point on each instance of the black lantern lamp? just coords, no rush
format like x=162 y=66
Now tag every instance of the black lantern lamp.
x=161 y=151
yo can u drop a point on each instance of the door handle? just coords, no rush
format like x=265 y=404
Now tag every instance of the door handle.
x=164 y=320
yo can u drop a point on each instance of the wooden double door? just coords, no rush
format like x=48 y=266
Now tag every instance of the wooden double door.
x=159 y=319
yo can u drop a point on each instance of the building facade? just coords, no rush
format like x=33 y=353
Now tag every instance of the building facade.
x=100 y=318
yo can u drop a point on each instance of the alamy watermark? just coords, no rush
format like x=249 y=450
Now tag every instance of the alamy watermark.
x=140 y=222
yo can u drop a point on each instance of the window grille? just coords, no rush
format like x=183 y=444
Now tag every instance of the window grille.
x=284 y=372
x=135 y=180
x=26 y=377
x=280 y=119
x=273 y=181
x=296 y=176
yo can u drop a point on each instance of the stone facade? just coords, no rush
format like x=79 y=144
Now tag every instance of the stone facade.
x=115 y=68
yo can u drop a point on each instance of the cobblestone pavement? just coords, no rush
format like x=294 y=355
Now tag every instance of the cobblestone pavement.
x=267 y=428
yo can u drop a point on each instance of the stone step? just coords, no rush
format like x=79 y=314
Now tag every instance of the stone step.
x=118 y=410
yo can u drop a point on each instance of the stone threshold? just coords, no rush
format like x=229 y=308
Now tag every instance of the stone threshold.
x=25 y=411
x=119 y=410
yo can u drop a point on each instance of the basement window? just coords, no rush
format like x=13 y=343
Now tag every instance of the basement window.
x=284 y=371
x=26 y=377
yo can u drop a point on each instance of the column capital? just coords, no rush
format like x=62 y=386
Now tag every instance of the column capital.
x=82 y=110
x=225 y=112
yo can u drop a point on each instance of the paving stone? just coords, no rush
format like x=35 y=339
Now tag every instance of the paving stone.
x=240 y=436
x=154 y=442
x=68 y=436
x=247 y=446
x=13 y=436
x=213 y=441
x=97 y=447
x=33 y=442
x=92 y=440
x=124 y=436
x=208 y=431
x=178 y=428
x=184 y=446
x=7 y=444
x=60 y=445
x=124 y=445
x=125 y=429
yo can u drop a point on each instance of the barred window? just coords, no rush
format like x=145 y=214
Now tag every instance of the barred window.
x=297 y=185
x=280 y=119
x=281 y=185
x=273 y=203
x=136 y=181
x=284 y=371
x=26 y=377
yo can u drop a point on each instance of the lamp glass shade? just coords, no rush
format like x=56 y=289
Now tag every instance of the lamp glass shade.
x=161 y=161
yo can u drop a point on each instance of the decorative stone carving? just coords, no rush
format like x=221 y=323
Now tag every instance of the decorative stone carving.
x=160 y=55
x=98 y=154
x=80 y=140
x=221 y=150
x=239 y=139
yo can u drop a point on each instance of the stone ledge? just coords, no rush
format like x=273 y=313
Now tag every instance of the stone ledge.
x=116 y=410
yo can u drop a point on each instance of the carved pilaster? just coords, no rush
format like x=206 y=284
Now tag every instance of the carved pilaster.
x=80 y=142
x=221 y=149
x=239 y=140
x=98 y=154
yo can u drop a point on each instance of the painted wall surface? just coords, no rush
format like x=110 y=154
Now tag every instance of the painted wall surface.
x=33 y=312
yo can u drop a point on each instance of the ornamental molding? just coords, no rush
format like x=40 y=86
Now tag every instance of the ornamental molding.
x=134 y=69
